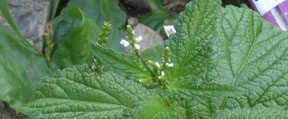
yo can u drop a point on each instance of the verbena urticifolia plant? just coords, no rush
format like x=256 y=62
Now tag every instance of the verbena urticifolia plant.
x=223 y=63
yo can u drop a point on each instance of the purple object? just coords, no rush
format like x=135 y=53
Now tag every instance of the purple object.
x=274 y=11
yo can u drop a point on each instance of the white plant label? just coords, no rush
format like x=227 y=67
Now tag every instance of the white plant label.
x=170 y=30
x=265 y=6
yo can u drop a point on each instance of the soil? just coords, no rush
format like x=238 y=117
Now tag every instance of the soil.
x=7 y=113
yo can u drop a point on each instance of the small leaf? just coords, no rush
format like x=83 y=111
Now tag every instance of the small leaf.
x=77 y=93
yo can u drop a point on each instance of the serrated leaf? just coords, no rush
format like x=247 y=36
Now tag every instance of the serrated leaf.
x=75 y=47
x=252 y=56
x=232 y=46
x=191 y=46
x=77 y=93
x=156 y=108
x=21 y=69
x=252 y=114
x=128 y=65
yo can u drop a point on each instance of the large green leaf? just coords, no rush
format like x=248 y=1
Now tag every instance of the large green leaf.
x=250 y=53
x=252 y=114
x=21 y=68
x=231 y=46
x=99 y=11
x=125 y=64
x=75 y=47
x=76 y=93
x=191 y=46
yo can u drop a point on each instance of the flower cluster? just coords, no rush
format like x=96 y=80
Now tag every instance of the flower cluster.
x=106 y=31
x=132 y=40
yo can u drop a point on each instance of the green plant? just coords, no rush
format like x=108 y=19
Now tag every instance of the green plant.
x=225 y=59
x=223 y=63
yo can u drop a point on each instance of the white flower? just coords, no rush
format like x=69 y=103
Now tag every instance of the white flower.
x=133 y=32
x=157 y=64
x=162 y=73
x=139 y=38
x=137 y=46
x=169 y=64
x=170 y=30
x=124 y=42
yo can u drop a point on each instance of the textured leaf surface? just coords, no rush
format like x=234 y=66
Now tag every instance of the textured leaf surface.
x=251 y=54
x=231 y=46
x=189 y=87
x=75 y=47
x=156 y=108
x=191 y=46
x=99 y=11
x=21 y=68
x=252 y=114
x=76 y=93
x=127 y=65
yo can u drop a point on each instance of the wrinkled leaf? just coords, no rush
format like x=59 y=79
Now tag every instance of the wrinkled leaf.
x=77 y=93
x=254 y=57
x=231 y=46
x=191 y=46
x=252 y=114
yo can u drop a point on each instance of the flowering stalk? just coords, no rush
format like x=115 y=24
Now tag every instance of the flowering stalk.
x=96 y=67
x=133 y=42
x=157 y=72
x=49 y=42
x=106 y=31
